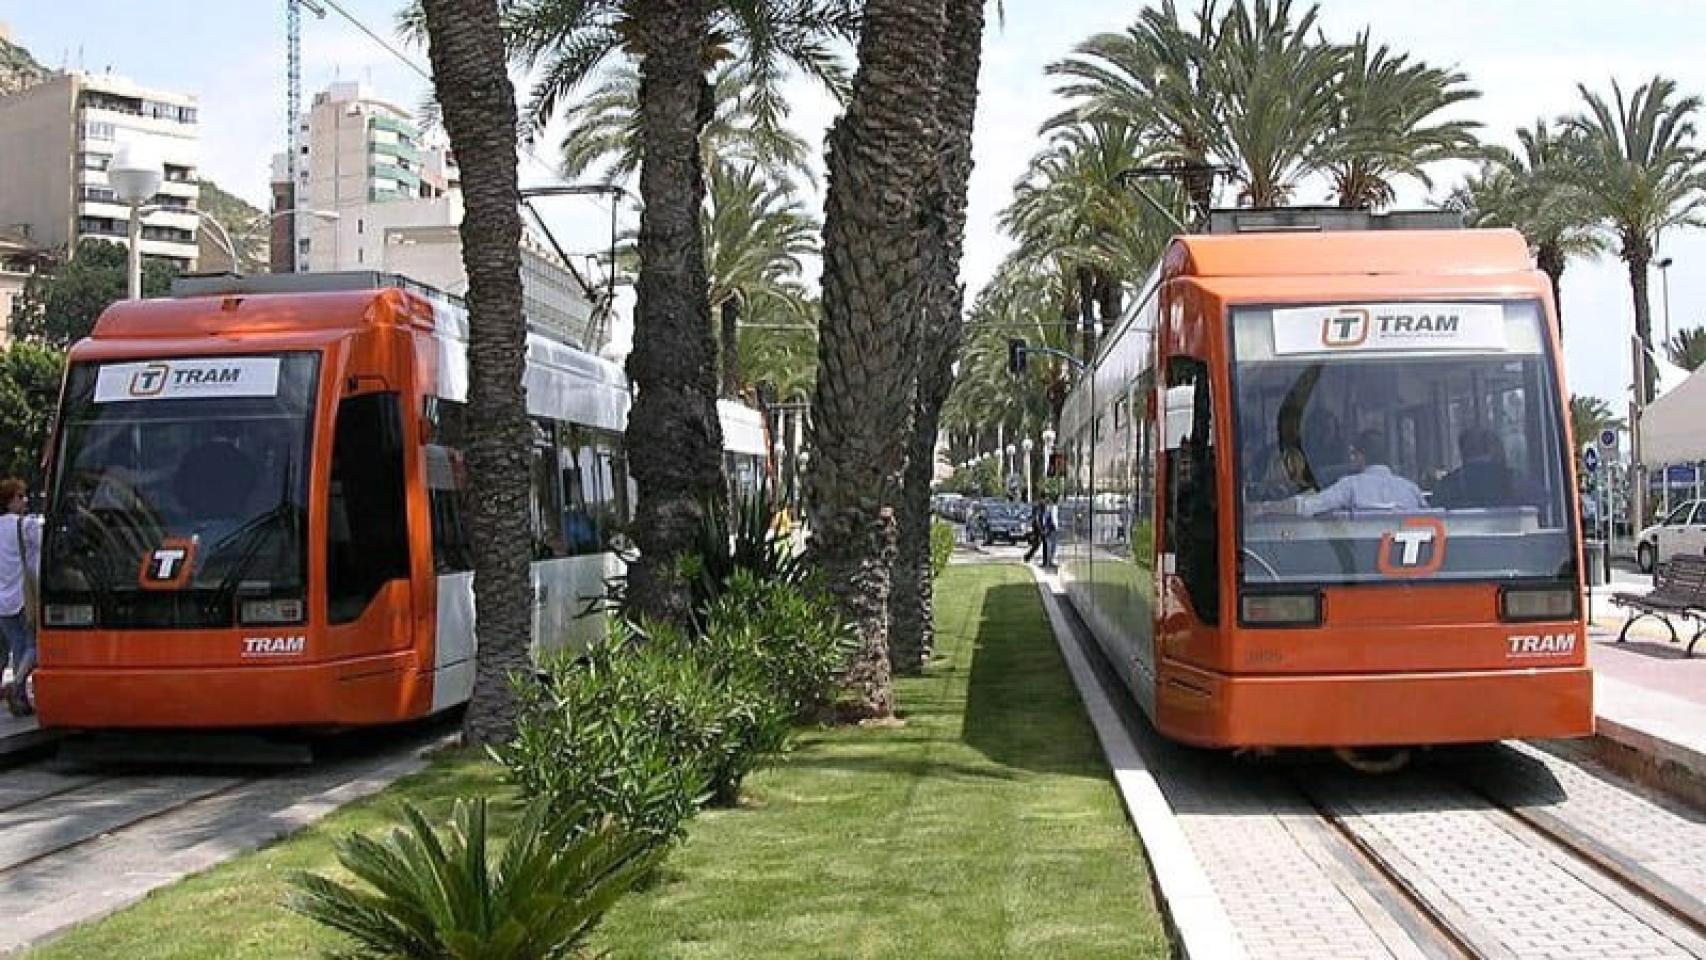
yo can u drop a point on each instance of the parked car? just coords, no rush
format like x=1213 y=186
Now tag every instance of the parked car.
x=1683 y=530
x=1002 y=521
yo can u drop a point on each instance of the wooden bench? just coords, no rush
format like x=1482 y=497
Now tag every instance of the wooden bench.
x=1679 y=590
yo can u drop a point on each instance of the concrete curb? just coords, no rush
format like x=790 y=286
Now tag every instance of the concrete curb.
x=1193 y=910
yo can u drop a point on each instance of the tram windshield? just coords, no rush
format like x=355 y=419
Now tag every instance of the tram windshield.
x=1399 y=440
x=180 y=490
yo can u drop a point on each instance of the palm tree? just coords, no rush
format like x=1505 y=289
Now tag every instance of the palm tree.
x=1640 y=172
x=603 y=128
x=1249 y=88
x=1386 y=124
x=477 y=104
x=1687 y=349
x=1534 y=192
x=782 y=354
x=1151 y=77
x=757 y=232
x=674 y=439
x=1590 y=415
x=1273 y=88
x=911 y=630
x=882 y=156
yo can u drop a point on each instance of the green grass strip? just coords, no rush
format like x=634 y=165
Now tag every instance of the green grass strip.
x=986 y=827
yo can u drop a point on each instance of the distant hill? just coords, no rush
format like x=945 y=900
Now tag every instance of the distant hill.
x=18 y=69
x=238 y=217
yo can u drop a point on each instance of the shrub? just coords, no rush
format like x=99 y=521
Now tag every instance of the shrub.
x=791 y=633
x=596 y=735
x=941 y=546
x=436 y=897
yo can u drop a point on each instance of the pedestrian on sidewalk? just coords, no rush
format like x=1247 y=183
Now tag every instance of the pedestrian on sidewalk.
x=20 y=564
x=1051 y=530
x=1035 y=536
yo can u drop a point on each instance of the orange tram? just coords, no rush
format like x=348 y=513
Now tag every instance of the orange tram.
x=255 y=512
x=1319 y=489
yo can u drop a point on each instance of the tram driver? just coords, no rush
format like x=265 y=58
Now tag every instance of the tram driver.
x=1370 y=486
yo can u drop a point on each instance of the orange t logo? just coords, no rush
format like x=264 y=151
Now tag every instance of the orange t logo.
x=1407 y=543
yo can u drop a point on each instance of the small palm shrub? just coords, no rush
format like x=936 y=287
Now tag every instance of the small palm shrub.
x=941 y=545
x=422 y=896
x=745 y=538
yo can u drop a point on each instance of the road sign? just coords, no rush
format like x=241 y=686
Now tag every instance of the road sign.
x=1608 y=439
x=1590 y=459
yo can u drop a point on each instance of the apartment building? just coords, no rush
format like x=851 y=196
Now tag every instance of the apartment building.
x=57 y=139
x=356 y=153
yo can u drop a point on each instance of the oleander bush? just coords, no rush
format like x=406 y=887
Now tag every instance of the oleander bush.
x=941 y=545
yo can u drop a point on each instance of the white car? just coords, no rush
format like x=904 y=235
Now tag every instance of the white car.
x=1682 y=531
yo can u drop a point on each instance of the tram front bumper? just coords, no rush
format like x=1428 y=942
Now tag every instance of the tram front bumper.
x=367 y=690
x=1365 y=710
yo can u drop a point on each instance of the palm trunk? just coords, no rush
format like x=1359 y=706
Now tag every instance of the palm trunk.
x=1109 y=300
x=911 y=632
x=882 y=154
x=471 y=79
x=1087 y=310
x=1638 y=255
x=1551 y=261
x=674 y=439
x=730 y=346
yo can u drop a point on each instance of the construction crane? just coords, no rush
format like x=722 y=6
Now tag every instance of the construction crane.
x=293 y=100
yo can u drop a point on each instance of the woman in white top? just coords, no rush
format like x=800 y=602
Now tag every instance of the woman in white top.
x=20 y=563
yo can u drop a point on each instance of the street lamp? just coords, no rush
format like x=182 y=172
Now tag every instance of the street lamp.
x=135 y=175
x=223 y=237
x=1028 y=444
x=1664 y=279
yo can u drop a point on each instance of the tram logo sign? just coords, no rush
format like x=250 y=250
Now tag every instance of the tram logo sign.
x=168 y=566
x=1387 y=327
x=1345 y=328
x=1415 y=549
x=1528 y=645
x=274 y=646
x=204 y=378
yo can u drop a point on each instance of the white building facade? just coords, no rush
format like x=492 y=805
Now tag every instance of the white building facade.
x=57 y=139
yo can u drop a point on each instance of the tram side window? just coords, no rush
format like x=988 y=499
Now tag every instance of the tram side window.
x=447 y=482
x=595 y=485
x=1191 y=507
x=367 y=543
x=550 y=537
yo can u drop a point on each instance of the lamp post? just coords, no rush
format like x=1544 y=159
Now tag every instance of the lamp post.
x=1028 y=444
x=1008 y=463
x=135 y=175
x=223 y=237
x=1664 y=283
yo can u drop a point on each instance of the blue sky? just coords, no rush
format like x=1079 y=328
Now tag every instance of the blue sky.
x=1524 y=55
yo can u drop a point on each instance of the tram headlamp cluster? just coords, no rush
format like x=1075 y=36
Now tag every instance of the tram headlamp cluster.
x=69 y=614
x=1280 y=609
x=1550 y=603
x=270 y=611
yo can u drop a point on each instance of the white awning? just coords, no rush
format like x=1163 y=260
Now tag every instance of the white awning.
x=1673 y=428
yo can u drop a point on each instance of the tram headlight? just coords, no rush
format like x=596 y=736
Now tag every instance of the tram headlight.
x=287 y=610
x=1280 y=609
x=69 y=614
x=1549 y=603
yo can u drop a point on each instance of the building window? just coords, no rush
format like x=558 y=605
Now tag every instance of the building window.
x=94 y=161
x=97 y=130
x=358 y=226
x=358 y=255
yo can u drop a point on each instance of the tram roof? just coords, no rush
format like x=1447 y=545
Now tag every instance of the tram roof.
x=1349 y=253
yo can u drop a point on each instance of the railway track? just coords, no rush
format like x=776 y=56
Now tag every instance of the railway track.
x=1501 y=852
x=79 y=841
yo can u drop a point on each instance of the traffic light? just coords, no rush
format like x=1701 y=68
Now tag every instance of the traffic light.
x=1015 y=356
